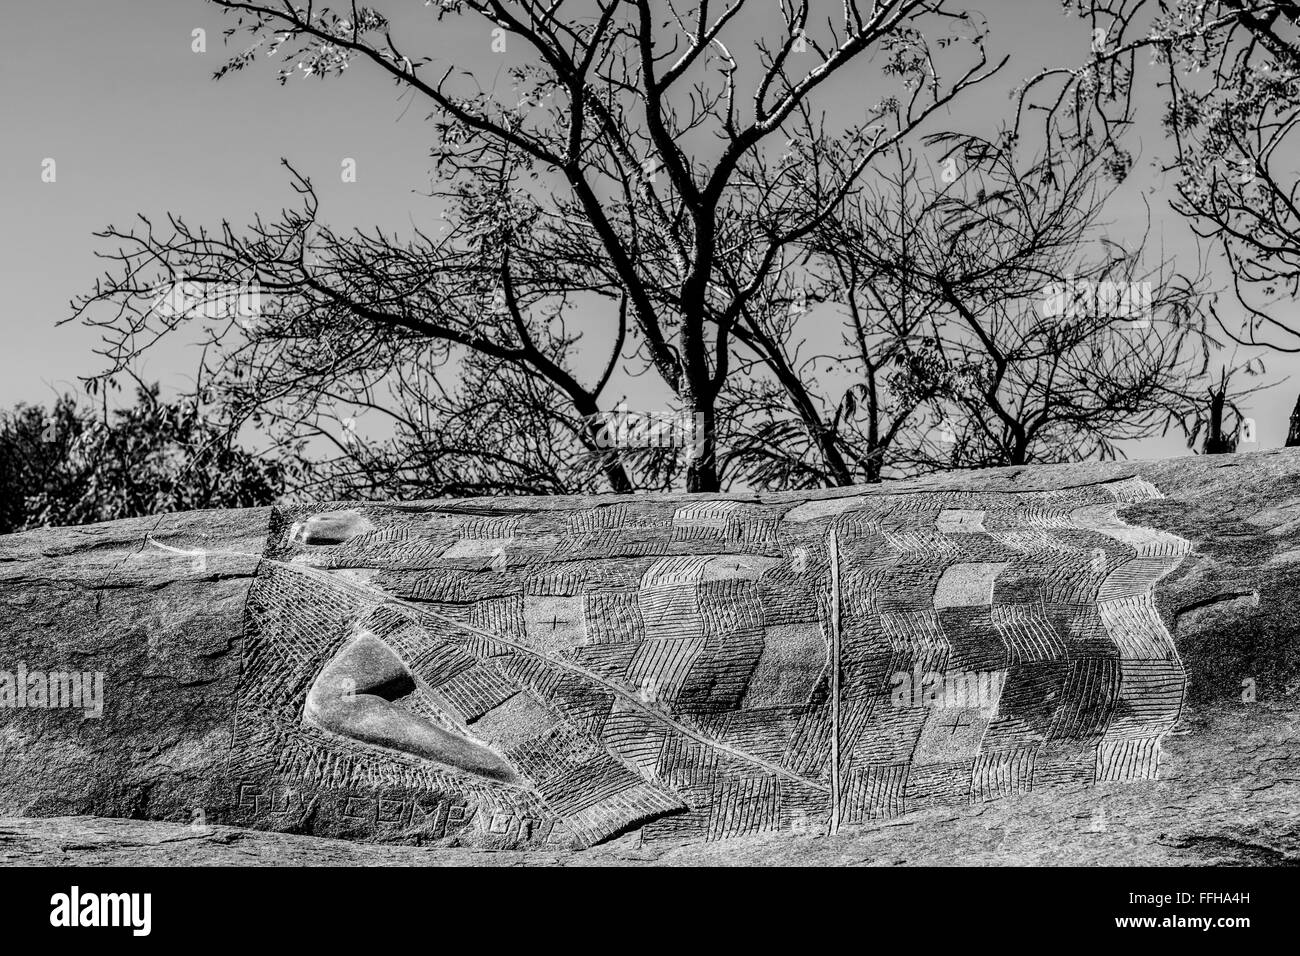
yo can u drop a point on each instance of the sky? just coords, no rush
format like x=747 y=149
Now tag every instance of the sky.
x=115 y=94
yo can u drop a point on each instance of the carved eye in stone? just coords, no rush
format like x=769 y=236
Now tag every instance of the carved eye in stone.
x=330 y=527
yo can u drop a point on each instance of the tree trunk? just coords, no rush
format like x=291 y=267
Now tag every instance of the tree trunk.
x=611 y=463
x=1293 y=433
x=1216 y=442
x=702 y=453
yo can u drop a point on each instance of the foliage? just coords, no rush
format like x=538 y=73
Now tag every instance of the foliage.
x=1229 y=72
x=68 y=465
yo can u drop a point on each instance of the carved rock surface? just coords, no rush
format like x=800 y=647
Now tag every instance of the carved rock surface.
x=661 y=665
x=1226 y=796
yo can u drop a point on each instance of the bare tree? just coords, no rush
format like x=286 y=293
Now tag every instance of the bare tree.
x=1206 y=423
x=1229 y=71
x=843 y=410
x=1029 y=334
x=367 y=323
x=638 y=141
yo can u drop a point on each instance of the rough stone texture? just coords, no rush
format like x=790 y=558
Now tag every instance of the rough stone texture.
x=1226 y=797
x=166 y=633
x=170 y=632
